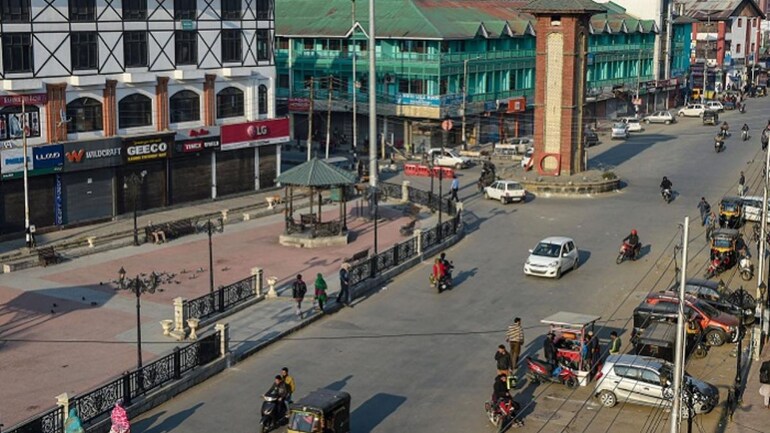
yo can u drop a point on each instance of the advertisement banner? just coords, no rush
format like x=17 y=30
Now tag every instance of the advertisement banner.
x=58 y=215
x=195 y=145
x=418 y=100
x=48 y=158
x=253 y=134
x=87 y=155
x=300 y=105
x=31 y=99
x=40 y=160
x=147 y=148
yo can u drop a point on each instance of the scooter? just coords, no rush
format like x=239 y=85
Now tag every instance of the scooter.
x=745 y=135
x=539 y=372
x=273 y=411
x=719 y=145
x=503 y=413
x=742 y=108
x=667 y=195
x=627 y=251
x=746 y=268
x=716 y=266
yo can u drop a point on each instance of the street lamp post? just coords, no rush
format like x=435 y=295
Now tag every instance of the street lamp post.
x=134 y=181
x=210 y=228
x=138 y=285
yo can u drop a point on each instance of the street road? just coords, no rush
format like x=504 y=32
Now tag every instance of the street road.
x=417 y=361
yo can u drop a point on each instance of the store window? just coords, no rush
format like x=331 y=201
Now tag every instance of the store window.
x=84 y=115
x=134 y=110
x=184 y=106
x=11 y=121
x=229 y=103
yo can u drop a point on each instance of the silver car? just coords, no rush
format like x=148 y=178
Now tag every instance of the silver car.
x=660 y=117
x=619 y=130
x=647 y=381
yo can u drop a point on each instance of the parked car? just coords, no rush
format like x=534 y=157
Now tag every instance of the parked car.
x=619 y=130
x=715 y=106
x=692 y=110
x=710 y=117
x=448 y=158
x=590 y=137
x=752 y=208
x=716 y=296
x=634 y=124
x=514 y=146
x=506 y=191
x=660 y=117
x=648 y=381
x=551 y=257
x=729 y=105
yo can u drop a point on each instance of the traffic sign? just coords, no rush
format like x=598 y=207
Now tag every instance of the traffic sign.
x=447 y=125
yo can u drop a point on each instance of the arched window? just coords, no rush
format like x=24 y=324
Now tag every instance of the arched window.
x=262 y=99
x=185 y=106
x=84 y=115
x=229 y=103
x=134 y=110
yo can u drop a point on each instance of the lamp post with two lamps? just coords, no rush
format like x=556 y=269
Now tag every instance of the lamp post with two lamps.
x=138 y=285
x=132 y=183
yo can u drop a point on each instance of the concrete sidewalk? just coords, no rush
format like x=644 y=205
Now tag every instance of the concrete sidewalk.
x=751 y=415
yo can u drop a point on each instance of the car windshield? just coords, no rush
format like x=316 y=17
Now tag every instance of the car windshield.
x=618 y=126
x=452 y=153
x=546 y=250
x=730 y=207
x=706 y=308
x=722 y=243
x=513 y=186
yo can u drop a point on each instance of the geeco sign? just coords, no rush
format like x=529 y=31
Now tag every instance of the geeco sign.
x=147 y=148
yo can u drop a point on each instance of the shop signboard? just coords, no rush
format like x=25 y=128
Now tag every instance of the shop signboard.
x=92 y=154
x=300 y=105
x=418 y=100
x=147 y=148
x=253 y=134
x=40 y=160
x=196 y=140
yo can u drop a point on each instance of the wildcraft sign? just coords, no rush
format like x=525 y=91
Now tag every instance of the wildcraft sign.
x=150 y=148
x=92 y=154
x=253 y=134
x=40 y=160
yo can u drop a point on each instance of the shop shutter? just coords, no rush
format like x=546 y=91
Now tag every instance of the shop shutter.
x=152 y=192
x=87 y=195
x=41 y=203
x=191 y=178
x=267 y=166
x=235 y=171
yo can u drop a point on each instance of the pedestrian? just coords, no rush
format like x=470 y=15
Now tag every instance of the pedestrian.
x=614 y=343
x=289 y=381
x=705 y=208
x=320 y=292
x=764 y=391
x=73 y=423
x=455 y=188
x=549 y=349
x=503 y=359
x=515 y=337
x=594 y=349
x=741 y=185
x=298 y=290
x=119 y=419
x=344 y=294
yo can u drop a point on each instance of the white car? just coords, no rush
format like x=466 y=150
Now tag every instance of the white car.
x=448 y=158
x=527 y=159
x=692 y=110
x=634 y=125
x=619 y=130
x=551 y=257
x=660 y=117
x=715 y=106
x=506 y=191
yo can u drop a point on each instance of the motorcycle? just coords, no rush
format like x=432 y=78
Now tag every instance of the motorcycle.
x=667 y=196
x=746 y=268
x=719 y=145
x=539 y=372
x=717 y=265
x=745 y=135
x=501 y=413
x=627 y=251
x=445 y=282
x=273 y=411
x=742 y=108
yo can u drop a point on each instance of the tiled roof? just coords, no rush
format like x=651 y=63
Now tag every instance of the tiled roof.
x=719 y=10
x=316 y=173
x=563 y=6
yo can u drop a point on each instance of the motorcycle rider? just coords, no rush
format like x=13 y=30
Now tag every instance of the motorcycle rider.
x=724 y=128
x=665 y=184
x=633 y=240
x=279 y=390
x=447 y=266
x=500 y=389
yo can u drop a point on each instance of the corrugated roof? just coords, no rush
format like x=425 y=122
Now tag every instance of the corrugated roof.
x=718 y=10
x=316 y=173
x=563 y=6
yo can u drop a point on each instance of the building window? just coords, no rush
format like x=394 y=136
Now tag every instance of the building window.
x=186 y=45
x=84 y=51
x=738 y=48
x=134 y=10
x=263 y=9
x=14 y=11
x=752 y=47
x=13 y=120
x=263 y=44
x=185 y=9
x=361 y=45
x=17 y=52
x=82 y=10
x=229 y=103
x=185 y=106
x=231 y=9
x=740 y=23
x=262 y=99
x=134 y=110
x=84 y=115
x=283 y=43
x=334 y=44
x=135 y=49
x=308 y=44
x=231 y=45
x=283 y=81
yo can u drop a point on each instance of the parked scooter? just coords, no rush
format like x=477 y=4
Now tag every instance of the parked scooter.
x=540 y=372
x=746 y=268
x=273 y=411
x=627 y=252
x=502 y=413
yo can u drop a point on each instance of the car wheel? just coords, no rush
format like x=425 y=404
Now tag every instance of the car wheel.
x=504 y=200
x=667 y=122
x=576 y=264
x=486 y=195
x=458 y=166
x=558 y=273
x=647 y=121
x=680 y=114
x=715 y=337
x=608 y=398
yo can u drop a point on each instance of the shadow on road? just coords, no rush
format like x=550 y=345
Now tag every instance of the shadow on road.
x=167 y=425
x=462 y=276
x=621 y=153
x=372 y=412
x=340 y=384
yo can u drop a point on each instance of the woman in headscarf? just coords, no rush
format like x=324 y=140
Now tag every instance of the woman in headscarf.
x=320 y=291
x=119 y=419
x=73 y=424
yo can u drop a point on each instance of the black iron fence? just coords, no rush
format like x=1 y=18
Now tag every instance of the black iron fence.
x=418 y=196
x=98 y=402
x=221 y=300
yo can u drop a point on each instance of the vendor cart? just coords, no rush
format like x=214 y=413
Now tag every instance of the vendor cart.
x=571 y=331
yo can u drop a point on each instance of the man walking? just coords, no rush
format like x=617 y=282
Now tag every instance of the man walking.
x=344 y=294
x=614 y=343
x=549 y=349
x=741 y=185
x=705 y=208
x=515 y=337
x=503 y=359
x=455 y=188
x=298 y=290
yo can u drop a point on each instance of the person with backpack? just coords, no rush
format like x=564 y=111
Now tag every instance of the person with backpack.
x=298 y=290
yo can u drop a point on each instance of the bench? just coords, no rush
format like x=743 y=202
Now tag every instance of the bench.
x=159 y=233
x=408 y=229
x=273 y=200
x=308 y=218
x=47 y=255
x=361 y=255
x=411 y=210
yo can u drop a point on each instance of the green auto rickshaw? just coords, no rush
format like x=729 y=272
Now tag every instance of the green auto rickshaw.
x=321 y=411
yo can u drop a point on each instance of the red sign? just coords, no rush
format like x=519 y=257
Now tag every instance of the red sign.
x=447 y=125
x=517 y=105
x=33 y=99
x=299 y=104
x=253 y=134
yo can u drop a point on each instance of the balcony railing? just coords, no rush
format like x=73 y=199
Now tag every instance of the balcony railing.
x=347 y=56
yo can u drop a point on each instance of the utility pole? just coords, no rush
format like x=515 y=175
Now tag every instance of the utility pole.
x=676 y=411
x=465 y=97
x=669 y=37
x=329 y=114
x=638 y=82
x=372 y=100
x=384 y=136
x=310 y=123
x=355 y=78
x=27 y=233
x=761 y=287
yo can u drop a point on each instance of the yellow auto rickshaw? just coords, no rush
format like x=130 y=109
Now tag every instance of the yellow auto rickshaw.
x=724 y=242
x=321 y=411
x=731 y=212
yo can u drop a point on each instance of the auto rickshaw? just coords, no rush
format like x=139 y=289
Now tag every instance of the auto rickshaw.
x=731 y=212
x=321 y=411
x=724 y=251
x=571 y=339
